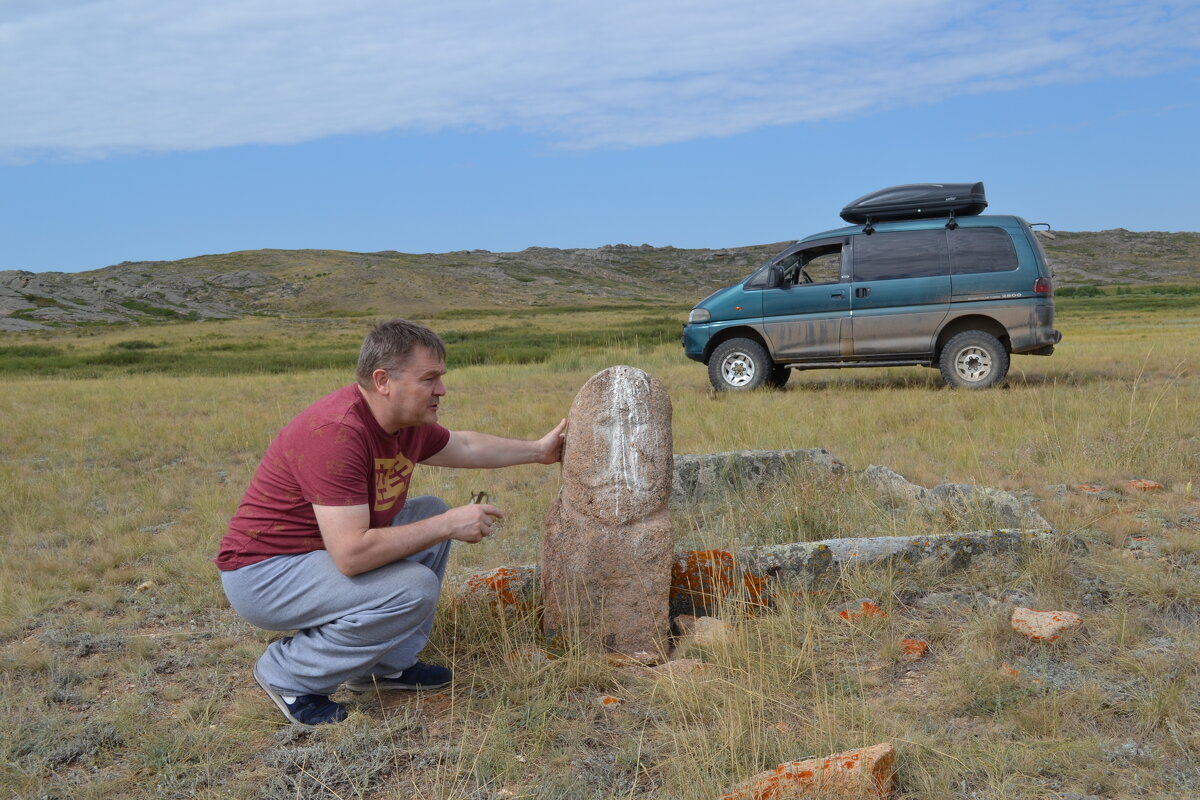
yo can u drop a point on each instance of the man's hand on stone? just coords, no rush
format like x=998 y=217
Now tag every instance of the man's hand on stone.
x=471 y=523
x=551 y=444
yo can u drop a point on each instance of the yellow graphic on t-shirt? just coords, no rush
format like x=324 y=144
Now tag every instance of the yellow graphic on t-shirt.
x=391 y=480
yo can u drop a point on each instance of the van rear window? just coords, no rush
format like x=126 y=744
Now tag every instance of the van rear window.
x=981 y=250
x=900 y=254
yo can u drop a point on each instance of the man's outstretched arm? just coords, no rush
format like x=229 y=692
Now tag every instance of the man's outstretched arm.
x=472 y=450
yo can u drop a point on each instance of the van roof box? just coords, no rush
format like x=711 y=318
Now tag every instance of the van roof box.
x=917 y=201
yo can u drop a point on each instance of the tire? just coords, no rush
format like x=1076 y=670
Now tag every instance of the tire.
x=973 y=360
x=739 y=365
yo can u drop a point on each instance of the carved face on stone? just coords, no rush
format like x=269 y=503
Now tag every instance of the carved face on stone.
x=617 y=460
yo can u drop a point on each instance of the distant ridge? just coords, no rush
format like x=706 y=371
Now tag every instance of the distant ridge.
x=333 y=283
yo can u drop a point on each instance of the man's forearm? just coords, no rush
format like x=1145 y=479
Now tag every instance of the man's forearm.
x=357 y=551
x=474 y=450
x=355 y=548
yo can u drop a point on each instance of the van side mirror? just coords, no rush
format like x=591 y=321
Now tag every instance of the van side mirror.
x=774 y=276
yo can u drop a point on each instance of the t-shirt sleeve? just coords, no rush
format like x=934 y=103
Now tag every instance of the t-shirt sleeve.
x=332 y=466
x=435 y=439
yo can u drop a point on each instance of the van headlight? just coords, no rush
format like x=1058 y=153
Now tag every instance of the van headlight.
x=699 y=315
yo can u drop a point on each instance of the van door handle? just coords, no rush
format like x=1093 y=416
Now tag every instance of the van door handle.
x=837 y=295
x=862 y=291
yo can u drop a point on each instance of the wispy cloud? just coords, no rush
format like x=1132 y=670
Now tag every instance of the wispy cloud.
x=88 y=78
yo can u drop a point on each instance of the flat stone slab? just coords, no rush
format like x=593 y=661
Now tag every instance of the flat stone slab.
x=701 y=474
x=701 y=579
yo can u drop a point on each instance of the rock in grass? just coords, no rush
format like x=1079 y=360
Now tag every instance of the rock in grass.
x=853 y=775
x=606 y=553
x=1043 y=626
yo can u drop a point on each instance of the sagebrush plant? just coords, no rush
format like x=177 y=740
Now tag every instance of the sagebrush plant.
x=125 y=674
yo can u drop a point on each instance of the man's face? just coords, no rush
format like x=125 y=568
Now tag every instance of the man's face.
x=415 y=389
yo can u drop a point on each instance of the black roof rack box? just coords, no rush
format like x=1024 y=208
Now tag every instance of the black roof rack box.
x=917 y=201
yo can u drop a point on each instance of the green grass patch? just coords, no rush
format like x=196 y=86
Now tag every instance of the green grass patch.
x=504 y=344
x=30 y=351
x=154 y=311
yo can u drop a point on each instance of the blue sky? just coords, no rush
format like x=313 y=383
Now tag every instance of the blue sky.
x=156 y=129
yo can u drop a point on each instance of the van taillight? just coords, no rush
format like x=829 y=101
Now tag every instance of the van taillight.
x=1042 y=286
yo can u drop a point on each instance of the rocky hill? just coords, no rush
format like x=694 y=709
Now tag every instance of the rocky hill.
x=328 y=283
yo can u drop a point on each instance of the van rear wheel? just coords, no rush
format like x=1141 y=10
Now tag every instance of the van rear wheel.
x=973 y=360
x=739 y=365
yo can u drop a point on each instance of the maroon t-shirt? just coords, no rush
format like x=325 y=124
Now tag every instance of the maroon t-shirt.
x=332 y=454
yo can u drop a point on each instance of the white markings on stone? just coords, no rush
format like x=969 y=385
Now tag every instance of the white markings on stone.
x=629 y=393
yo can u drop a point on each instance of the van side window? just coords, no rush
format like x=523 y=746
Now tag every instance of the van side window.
x=982 y=250
x=823 y=265
x=900 y=254
x=819 y=264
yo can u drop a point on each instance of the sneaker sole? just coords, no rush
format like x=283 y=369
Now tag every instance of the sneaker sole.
x=276 y=698
x=386 y=685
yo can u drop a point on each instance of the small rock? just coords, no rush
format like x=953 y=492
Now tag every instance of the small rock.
x=527 y=656
x=1098 y=491
x=1013 y=672
x=1144 y=485
x=639 y=658
x=1015 y=597
x=676 y=668
x=704 y=631
x=502 y=587
x=913 y=649
x=145 y=587
x=608 y=701
x=943 y=600
x=860 y=609
x=867 y=772
x=1043 y=626
x=1142 y=547
x=893 y=488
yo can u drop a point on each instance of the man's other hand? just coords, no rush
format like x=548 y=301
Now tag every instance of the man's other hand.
x=471 y=523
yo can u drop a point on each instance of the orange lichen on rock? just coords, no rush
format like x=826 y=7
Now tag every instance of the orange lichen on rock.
x=498 y=585
x=608 y=701
x=1043 y=626
x=756 y=588
x=1090 y=488
x=860 y=609
x=856 y=774
x=1013 y=672
x=1143 y=485
x=913 y=649
x=704 y=574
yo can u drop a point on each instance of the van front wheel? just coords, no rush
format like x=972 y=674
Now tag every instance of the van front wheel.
x=739 y=365
x=973 y=360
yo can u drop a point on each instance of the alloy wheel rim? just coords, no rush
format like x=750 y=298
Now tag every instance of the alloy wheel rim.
x=973 y=363
x=737 y=369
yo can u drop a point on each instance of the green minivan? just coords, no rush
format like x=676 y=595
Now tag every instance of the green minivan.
x=909 y=286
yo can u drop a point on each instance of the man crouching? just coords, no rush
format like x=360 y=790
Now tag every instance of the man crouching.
x=327 y=543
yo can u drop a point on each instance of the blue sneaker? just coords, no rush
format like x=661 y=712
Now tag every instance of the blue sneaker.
x=420 y=676
x=305 y=709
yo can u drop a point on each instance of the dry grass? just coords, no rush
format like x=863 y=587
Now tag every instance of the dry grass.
x=126 y=675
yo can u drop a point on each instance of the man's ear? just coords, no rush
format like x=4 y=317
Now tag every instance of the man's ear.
x=380 y=380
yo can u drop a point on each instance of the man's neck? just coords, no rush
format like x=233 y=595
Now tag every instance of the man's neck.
x=377 y=405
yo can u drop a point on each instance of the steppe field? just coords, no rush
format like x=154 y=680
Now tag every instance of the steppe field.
x=124 y=450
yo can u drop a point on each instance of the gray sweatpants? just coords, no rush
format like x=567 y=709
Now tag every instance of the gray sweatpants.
x=370 y=624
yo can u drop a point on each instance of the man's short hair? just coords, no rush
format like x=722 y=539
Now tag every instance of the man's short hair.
x=390 y=345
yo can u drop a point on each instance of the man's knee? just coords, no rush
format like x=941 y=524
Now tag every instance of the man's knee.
x=416 y=585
